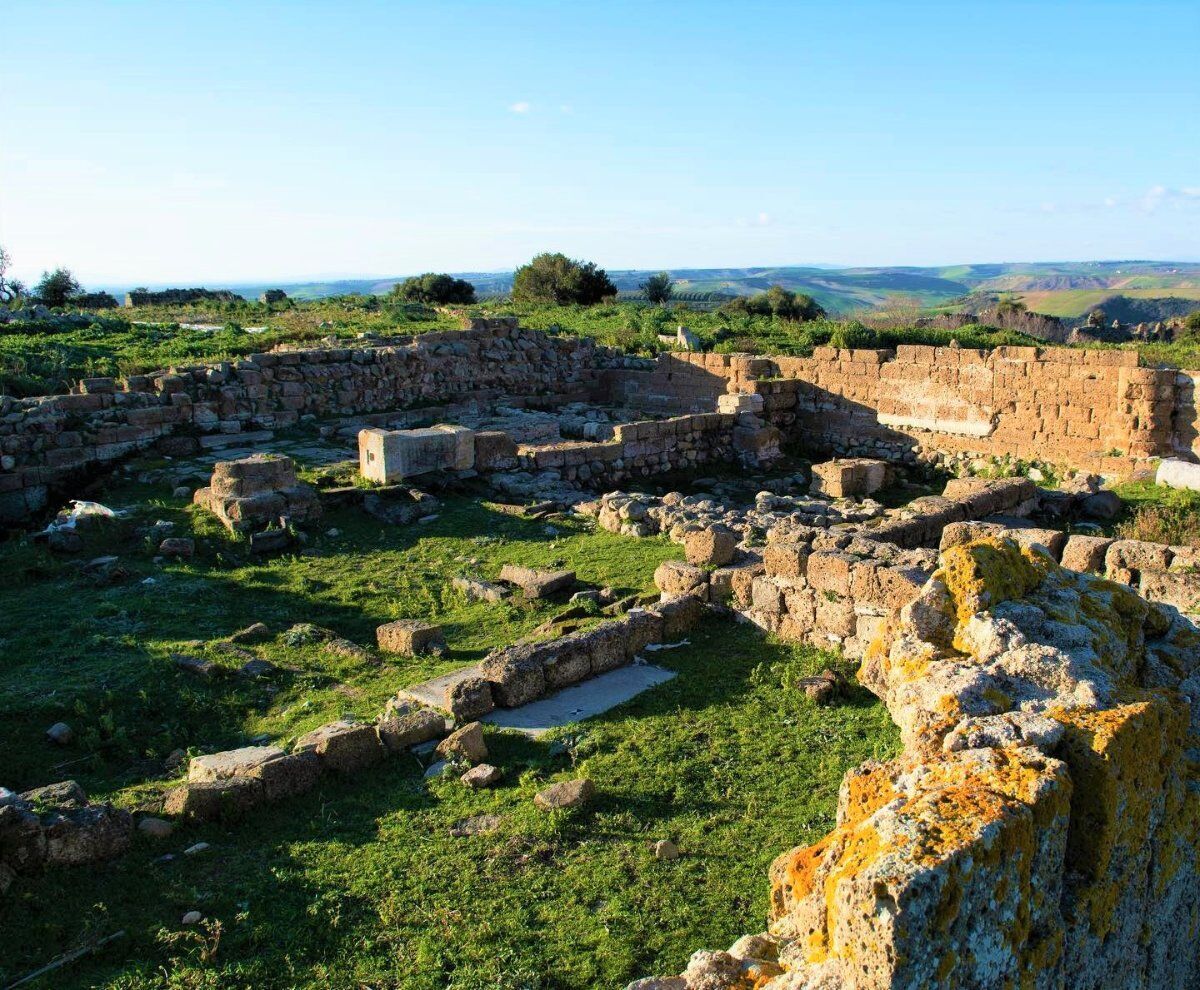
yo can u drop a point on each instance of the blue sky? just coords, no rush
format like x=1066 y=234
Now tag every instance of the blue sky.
x=194 y=142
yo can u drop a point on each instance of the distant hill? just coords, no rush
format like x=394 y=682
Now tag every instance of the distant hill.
x=1056 y=288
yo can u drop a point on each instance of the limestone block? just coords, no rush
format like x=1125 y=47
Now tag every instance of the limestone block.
x=213 y=799
x=1176 y=473
x=288 y=775
x=849 y=477
x=386 y=456
x=674 y=577
x=343 y=746
x=787 y=560
x=469 y=699
x=1085 y=553
x=516 y=675
x=535 y=583
x=642 y=628
x=713 y=546
x=409 y=725
x=231 y=763
x=87 y=835
x=410 y=637
x=679 y=615
x=738 y=404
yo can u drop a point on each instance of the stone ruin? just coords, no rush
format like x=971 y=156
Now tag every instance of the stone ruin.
x=1039 y=829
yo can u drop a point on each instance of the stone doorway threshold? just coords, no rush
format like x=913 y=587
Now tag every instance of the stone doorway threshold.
x=594 y=696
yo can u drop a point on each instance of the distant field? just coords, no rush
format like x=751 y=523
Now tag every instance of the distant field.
x=1076 y=302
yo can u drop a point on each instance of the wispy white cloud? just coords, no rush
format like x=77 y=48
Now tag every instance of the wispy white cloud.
x=566 y=108
x=1158 y=196
x=521 y=106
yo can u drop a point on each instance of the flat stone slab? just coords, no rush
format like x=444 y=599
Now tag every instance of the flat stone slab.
x=433 y=691
x=583 y=700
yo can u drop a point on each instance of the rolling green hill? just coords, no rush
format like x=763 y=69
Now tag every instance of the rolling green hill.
x=1055 y=288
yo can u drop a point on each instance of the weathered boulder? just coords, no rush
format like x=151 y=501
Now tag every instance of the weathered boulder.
x=343 y=746
x=565 y=794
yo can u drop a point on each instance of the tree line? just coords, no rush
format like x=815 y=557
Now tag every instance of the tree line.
x=550 y=278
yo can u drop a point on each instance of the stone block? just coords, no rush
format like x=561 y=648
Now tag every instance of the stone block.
x=469 y=699
x=242 y=762
x=87 y=835
x=214 y=799
x=516 y=675
x=642 y=628
x=288 y=776
x=679 y=615
x=713 y=546
x=386 y=456
x=674 y=577
x=738 y=404
x=566 y=661
x=495 y=451
x=535 y=583
x=786 y=560
x=410 y=637
x=409 y=726
x=343 y=746
x=849 y=477
x=608 y=646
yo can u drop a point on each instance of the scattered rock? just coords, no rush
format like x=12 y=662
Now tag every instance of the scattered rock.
x=537 y=584
x=475 y=825
x=483 y=775
x=256 y=632
x=197 y=849
x=411 y=637
x=191 y=918
x=1103 y=505
x=194 y=665
x=435 y=769
x=257 y=668
x=155 y=828
x=479 y=591
x=665 y=849
x=177 y=546
x=825 y=688
x=466 y=742
x=60 y=733
x=565 y=794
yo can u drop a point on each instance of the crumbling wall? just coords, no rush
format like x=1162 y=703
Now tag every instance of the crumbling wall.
x=650 y=447
x=1091 y=409
x=1039 y=829
x=45 y=441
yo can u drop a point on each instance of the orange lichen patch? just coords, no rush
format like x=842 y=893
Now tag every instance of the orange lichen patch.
x=865 y=793
x=984 y=572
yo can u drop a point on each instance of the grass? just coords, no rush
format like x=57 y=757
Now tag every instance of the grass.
x=104 y=664
x=1158 y=514
x=361 y=883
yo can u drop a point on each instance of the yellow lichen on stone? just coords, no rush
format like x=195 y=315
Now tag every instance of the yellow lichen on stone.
x=984 y=572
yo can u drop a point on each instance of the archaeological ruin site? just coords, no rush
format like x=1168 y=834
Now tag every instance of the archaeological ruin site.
x=931 y=524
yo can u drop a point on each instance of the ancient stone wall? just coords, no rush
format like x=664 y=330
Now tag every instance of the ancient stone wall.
x=1039 y=829
x=44 y=441
x=1091 y=409
x=651 y=447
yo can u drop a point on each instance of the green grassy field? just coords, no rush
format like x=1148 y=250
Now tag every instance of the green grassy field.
x=1076 y=302
x=361 y=883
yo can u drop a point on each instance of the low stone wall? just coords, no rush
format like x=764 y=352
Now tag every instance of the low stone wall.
x=1039 y=829
x=650 y=447
x=1090 y=409
x=46 y=441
